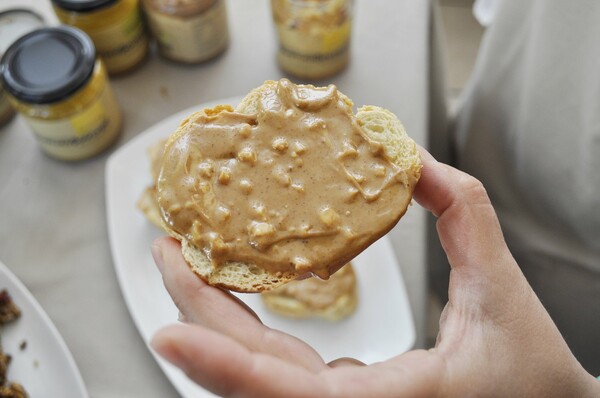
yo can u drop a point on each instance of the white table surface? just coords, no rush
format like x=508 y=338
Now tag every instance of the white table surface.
x=53 y=233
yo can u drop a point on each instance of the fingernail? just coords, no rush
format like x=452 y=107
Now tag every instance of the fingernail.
x=157 y=255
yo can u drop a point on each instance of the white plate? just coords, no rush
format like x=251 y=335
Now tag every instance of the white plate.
x=381 y=327
x=45 y=367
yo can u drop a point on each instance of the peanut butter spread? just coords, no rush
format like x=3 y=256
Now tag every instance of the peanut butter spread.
x=295 y=186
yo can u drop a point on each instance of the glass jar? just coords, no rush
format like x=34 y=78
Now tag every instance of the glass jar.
x=14 y=23
x=115 y=26
x=189 y=31
x=314 y=36
x=56 y=82
x=6 y=110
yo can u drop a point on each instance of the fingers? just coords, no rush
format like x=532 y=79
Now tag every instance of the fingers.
x=413 y=374
x=221 y=311
x=227 y=368
x=193 y=296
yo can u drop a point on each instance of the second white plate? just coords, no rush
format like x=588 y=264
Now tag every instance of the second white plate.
x=41 y=361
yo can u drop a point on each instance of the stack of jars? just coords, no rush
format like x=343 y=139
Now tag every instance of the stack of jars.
x=57 y=77
x=67 y=99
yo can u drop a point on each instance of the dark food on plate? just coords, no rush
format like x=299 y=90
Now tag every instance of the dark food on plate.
x=8 y=309
x=4 y=362
x=13 y=390
x=8 y=313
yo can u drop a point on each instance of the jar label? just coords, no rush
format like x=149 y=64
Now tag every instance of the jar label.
x=88 y=120
x=192 y=39
x=83 y=134
x=123 y=44
x=315 y=55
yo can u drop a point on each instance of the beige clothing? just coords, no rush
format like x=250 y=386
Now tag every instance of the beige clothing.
x=529 y=129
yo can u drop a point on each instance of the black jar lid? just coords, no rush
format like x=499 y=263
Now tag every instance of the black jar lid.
x=48 y=65
x=83 y=5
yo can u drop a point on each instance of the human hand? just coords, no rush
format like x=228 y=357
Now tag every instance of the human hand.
x=495 y=337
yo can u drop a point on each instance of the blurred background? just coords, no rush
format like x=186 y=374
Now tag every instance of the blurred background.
x=462 y=35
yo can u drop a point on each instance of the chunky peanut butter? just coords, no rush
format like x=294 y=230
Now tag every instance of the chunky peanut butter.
x=296 y=186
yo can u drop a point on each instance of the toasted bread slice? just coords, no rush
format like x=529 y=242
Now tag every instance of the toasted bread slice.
x=147 y=201
x=377 y=123
x=332 y=300
x=148 y=205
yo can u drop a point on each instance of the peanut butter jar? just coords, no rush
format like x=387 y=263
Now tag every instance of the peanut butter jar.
x=115 y=26
x=314 y=36
x=55 y=81
x=188 y=31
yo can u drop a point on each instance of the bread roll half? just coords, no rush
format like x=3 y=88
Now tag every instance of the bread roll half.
x=332 y=300
x=290 y=182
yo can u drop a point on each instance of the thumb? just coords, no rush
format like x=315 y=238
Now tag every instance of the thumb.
x=467 y=224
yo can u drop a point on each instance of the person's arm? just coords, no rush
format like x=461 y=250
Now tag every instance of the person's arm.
x=495 y=337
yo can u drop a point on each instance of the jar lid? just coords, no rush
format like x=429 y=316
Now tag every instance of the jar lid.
x=48 y=64
x=83 y=5
x=15 y=23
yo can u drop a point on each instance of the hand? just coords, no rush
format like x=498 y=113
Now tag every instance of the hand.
x=495 y=337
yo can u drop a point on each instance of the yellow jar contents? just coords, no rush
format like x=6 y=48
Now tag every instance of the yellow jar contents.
x=188 y=31
x=314 y=36
x=71 y=108
x=80 y=126
x=6 y=111
x=115 y=26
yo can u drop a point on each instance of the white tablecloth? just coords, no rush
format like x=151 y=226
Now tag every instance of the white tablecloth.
x=53 y=231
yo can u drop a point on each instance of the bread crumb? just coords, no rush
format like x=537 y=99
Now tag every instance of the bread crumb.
x=164 y=92
x=8 y=310
x=8 y=313
x=13 y=390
